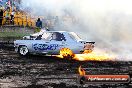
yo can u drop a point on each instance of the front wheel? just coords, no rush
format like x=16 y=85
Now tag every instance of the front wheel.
x=23 y=50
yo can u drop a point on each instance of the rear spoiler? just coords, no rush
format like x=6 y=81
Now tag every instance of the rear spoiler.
x=90 y=42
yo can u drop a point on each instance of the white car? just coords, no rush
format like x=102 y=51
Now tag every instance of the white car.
x=54 y=43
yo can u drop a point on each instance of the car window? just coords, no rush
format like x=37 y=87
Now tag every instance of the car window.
x=74 y=36
x=58 y=36
x=52 y=36
x=39 y=37
x=46 y=36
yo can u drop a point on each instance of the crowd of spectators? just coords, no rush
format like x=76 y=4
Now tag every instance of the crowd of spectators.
x=10 y=14
x=7 y=11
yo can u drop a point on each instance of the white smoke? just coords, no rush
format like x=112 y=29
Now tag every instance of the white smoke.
x=107 y=22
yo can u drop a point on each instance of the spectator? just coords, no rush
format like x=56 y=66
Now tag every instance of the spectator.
x=38 y=25
x=7 y=16
x=57 y=22
x=1 y=16
x=7 y=6
x=12 y=17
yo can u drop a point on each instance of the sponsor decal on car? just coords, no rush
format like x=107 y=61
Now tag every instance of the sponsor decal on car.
x=38 y=46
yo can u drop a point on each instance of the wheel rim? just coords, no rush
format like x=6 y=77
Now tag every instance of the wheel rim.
x=23 y=50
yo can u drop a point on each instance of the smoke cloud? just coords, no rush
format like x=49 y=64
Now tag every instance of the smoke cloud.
x=107 y=22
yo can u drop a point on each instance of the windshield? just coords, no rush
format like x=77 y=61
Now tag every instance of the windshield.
x=74 y=36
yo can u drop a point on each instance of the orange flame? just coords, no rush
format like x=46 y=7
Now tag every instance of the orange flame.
x=66 y=52
x=92 y=56
x=81 y=71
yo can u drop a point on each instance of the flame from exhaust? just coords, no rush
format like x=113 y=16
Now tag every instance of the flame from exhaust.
x=81 y=71
x=93 y=56
x=86 y=55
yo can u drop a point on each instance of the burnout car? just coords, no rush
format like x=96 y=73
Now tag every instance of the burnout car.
x=54 y=43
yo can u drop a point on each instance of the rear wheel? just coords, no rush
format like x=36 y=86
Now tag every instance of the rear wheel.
x=66 y=53
x=23 y=50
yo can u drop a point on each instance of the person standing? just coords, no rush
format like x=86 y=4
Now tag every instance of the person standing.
x=7 y=16
x=12 y=17
x=38 y=25
x=1 y=16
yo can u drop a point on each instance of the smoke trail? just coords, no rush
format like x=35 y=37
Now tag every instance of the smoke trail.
x=107 y=22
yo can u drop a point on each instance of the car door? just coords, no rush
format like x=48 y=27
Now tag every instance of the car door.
x=41 y=43
x=49 y=43
x=39 y=46
x=56 y=42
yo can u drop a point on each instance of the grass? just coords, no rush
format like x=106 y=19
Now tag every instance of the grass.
x=12 y=34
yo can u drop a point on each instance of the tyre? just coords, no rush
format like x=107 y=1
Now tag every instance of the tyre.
x=67 y=53
x=23 y=50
